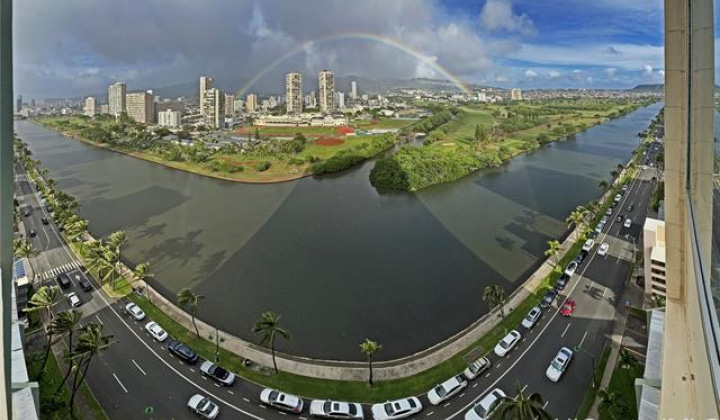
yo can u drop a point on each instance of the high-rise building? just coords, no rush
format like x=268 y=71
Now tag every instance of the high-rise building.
x=516 y=95
x=251 y=103
x=206 y=83
x=654 y=257
x=340 y=100
x=18 y=104
x=214 y=107
x=169 y=118
x=139 y=106
x=90 y=108
x=229 y=105
x=326 y=85
x=353 y=90
x=104 y=109
x=116 y=99
x=293 y=93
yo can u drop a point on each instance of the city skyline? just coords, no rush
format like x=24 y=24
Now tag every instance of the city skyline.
x=497 y=43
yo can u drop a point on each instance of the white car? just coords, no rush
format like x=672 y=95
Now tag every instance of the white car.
x=627 y=223
x=570 y=269
x=599 y=228
x=609 y=211
x=446 y=390
x=203 y=407
x=135 y=311
x=73 y=300
x=477 y=367
x=588 y=245
x=603 y=220
x=335 y=410
x=532 y=317
x=485 y=407
x=281 y=400
x=603 y=250
x=156 y=331
x=559 y=364
x=217 y=373
x=507 y=343
x=617 y=198
x=398 y=409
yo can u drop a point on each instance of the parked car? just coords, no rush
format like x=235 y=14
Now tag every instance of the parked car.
x=617 y=198
x=183 y=351
x=568 y=307
x=398 y=409
x=604 y=248
x=571 y=268
x=624 y=188
x=592 y=234
x=84 y=283
x=627 y=223
x=477 y=367
x=561 y=282
x=32 y=233
x=486 y=406
x=532 y=317
x=135 y=311
x=548 y=299
x=629 y=208
x=604 y=220
x=281 y=400
x=219 y=374
x=559 y=364
x=44 y=220
x=588 y=245
x=446 y=390
x=203 y=407
x=599 y=228
x=63 y=280
x=507 y=343
x=73 y=299
x=609 y=211
x=335 y=409
x=27 y=212
x=156 y=331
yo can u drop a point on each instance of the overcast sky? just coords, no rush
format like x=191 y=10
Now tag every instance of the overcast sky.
x=77 y=47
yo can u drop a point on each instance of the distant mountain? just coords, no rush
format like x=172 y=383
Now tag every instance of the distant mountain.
x=648 y=88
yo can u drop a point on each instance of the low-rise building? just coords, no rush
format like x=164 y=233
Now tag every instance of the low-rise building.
x=654 y=257
x=301 y=120
x=169 y=118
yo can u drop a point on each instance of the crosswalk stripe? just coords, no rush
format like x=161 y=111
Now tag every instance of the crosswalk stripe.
x=55 y=271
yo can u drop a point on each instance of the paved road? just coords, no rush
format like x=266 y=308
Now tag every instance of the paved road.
x=137 y=372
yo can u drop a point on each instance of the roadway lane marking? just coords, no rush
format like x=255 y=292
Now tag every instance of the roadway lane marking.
x=120 y=383
x=445 y=405
x=230 y=392
x=283 y=413
x=565 y=330
x=429 y=414
x=192 y=370
x=475 y=385
x=138 y=366
x=99 y=320
x=262 y=406
x=523 y=388
x=546 y=404
x=583 y=339
x=246 y=400
x=462 y=395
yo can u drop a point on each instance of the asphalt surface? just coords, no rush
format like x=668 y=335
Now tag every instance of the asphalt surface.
x=138 y=378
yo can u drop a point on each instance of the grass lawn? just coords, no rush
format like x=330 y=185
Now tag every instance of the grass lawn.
x=591 y=393
x=287 y=131
x=383 y=122
x=622 y=384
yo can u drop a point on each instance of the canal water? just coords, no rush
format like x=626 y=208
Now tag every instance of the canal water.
x=339 y=260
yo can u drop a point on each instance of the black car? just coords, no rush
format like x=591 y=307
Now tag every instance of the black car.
x=44 y=220
x=619 y=219
x=592 y=234
x=629 y=208
x=63 y=280
x=581 y=256
x=182 y=351
x=561 y=283
x=32 y=233
x=548 y=299
x=27 y=212
x=84 y=284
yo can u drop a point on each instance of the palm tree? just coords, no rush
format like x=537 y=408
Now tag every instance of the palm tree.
x=66 y=323
x=553 y=250
x=115 y=242
x=43 y=301
x=91 y=342
x=268 y=327
x=369 y=348
x=142 y=271
x=604 y=185
x=576 y=219
x=613 y=404
x=496 y=296
x=522 y=407
x=187 y=297
x=627 y=360
x=24 y=249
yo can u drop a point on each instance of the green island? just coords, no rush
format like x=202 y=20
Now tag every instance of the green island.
x=464 y=139
x=267 y=154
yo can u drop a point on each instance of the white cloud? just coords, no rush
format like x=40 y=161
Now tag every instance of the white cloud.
x=611 y=72
x=497 y=15
x=554 y=74
x=661 y=73
x=648 y=70
x=530 y=74
x=589 y=79
x=632 y=57
x=501 y=79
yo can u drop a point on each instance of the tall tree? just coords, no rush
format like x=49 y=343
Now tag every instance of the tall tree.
x=495 y=296
x=611 y=403
x=65 y=324
x=522 y=408
x=576 y=219
x=604 y=185
x=43 y=301
x=24 y=249
x=268 y=327
x=187 y=297
x=369 y=348
x=142 y=271
x=553 y=250
x=91 y=342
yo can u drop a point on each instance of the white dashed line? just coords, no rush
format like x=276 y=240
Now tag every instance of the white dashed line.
x=523 y=388
x=546 y=404
x=262 y=406
x=120 y=383
x=230 y=392
x=445 y=405
x=429 y=414
x=583 y=339
x=475 y=385
x=192 y=370
x=283 y=413
x=462 y=395
x=139 y=368
x=246 y=400
x=99 y=320
x=565 y=330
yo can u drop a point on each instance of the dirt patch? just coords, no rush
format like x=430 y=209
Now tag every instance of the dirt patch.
x=238 y=163
x=329 y=141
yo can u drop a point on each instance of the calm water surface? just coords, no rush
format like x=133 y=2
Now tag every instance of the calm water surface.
x=338 y=259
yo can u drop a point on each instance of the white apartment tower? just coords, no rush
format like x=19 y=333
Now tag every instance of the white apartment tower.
x=206 y=83
x=140 y=107
x=516 y=94
x=353 y=90
x=340 y=100
x=90 y=109
x=214 y=107
x=116 y=99
x=326 y=85
x=293 y=93
x=251 y=103
x=169 y=118
x=229 y=105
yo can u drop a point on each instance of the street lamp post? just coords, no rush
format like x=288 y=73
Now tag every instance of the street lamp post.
x=579 y=349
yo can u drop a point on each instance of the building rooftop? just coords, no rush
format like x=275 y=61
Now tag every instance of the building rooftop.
x=658 y=253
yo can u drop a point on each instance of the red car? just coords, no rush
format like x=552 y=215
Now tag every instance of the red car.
x=568 y=308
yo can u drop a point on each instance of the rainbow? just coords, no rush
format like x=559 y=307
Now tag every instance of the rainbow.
x=429 y=61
